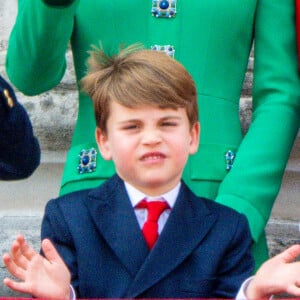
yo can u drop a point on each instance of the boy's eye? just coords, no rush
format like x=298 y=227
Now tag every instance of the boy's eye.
x=131 y=127
x=169 y=123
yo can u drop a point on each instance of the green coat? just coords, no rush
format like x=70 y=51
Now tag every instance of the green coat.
x=213 y=39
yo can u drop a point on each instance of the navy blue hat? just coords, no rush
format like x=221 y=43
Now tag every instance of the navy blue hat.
x=19 y=148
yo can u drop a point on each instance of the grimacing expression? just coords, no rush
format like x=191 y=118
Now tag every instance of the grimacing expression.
x=149 y=145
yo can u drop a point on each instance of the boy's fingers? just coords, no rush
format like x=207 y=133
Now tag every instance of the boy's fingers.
x=50 y=252
x=16 y=286
x=294 y=290
x=12 y=268
x=290 y=254
x=17 y=256
x=26 y=250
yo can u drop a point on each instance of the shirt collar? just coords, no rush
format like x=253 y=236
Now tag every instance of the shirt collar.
x=136 y=196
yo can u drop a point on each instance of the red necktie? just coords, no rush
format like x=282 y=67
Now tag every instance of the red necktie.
x=150 y=228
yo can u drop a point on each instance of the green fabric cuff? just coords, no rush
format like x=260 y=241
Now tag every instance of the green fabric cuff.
x=58 y=2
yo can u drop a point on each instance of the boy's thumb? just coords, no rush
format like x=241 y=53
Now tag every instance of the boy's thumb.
x=50 y=252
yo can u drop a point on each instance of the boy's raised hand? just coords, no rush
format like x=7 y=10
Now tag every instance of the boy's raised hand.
x=42 y=277
x=277 y=275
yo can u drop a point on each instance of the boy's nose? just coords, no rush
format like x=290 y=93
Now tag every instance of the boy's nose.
x=151 y=137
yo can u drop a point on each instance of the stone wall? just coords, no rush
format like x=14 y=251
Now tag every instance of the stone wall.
x=53 y=115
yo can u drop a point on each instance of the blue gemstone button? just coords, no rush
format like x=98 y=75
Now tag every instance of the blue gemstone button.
x=168 y=49
x=87 y=161
x=164 y=4
x=229 y=158
x=163 y=8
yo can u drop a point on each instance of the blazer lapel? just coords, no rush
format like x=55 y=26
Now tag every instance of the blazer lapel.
x=114 y=217
x=187 y=225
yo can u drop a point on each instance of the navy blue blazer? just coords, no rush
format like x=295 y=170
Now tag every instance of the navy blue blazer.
x=203 y=250
x=20 y=150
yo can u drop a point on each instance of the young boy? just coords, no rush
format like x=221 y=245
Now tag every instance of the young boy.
x=147 y=123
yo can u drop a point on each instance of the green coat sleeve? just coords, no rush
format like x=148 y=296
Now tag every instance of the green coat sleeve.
x=252 y=184
x=37 y=45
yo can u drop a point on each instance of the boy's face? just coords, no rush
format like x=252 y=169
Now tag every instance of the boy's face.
x=149 y=145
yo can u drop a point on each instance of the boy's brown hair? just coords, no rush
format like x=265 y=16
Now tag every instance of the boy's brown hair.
x=137 y=77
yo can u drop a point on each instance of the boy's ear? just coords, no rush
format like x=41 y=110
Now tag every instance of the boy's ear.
x=195 y=138
x=103 y=144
